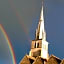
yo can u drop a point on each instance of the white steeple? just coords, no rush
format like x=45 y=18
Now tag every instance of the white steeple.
x=39 y=46
x=40 y=31
x=42 y=14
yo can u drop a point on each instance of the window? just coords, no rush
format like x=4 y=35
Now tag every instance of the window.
x=37 y=45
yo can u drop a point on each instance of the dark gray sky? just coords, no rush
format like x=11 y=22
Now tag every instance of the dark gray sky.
x=20 y=19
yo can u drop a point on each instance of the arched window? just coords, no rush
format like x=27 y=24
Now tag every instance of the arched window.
x=37 y=45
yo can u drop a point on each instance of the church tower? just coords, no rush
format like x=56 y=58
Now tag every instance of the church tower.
x=39 y=46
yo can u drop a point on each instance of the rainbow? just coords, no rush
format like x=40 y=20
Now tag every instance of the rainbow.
x=9 y=44
x=19 y=18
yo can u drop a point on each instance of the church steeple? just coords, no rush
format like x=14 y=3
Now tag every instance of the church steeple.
x=39 y=46
x=40 y=31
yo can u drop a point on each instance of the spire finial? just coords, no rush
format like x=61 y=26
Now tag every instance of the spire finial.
x=42 y=14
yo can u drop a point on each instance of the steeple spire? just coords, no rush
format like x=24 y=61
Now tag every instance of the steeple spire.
x=42 y=14
x=40 y=31
x=39 y=46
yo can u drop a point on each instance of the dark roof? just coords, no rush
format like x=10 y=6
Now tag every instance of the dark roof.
x=53 y=60
x=56 y=58
x=39 y=60
x=27 y=59
x=62 y=62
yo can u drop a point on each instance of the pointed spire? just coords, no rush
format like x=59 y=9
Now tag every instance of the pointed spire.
x=40 y=44
x=40 y=32
x=42 y=14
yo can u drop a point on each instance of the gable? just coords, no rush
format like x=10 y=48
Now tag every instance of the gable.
x=38 y=61
x=25 y=60
x=54 y=60
x=62 y=62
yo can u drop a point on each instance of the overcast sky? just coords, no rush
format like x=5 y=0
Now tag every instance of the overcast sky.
x=20 y=19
